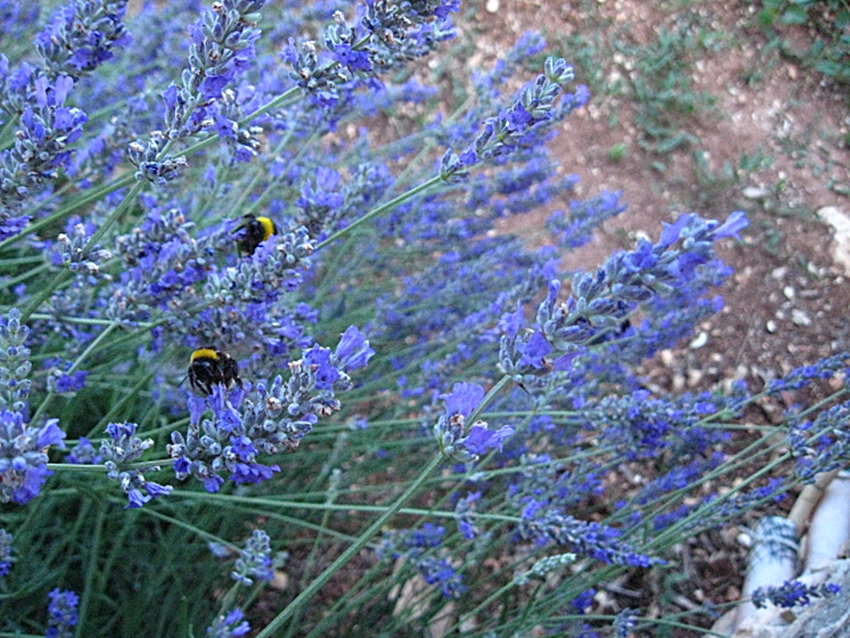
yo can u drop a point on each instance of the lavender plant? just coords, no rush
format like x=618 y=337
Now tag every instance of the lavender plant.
x=411 y=388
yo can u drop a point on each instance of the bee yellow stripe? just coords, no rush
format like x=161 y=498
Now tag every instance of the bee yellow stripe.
x=268 y=227
x=204 y=353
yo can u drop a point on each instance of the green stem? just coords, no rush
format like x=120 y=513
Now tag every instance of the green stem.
x=44 y=294
x=128 y=200
x=29 y=274
x=92 y=567
x=311 y=561
x=381 y=209
x=73 y=367
x=89 y=321
x=89 y=197
x=275 y=625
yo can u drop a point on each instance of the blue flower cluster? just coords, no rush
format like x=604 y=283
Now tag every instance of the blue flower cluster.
x=542 y=525
x=62 y=614
x=545 y=566
x=23 y=456
x=624 y=622
x=822 y=444
x=121 y=448
x=601 y=302
x=248 y=424
x=7 y=558
x=382 y=37
x=417 y=545
x=23 y=446
x=452 y=436
x=255 y=561
x=522 y=125
x=229 y=625
x=793 y=593
x=41 y=149
x=81 y=36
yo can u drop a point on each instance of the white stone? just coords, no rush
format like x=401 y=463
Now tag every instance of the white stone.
x=840 y=223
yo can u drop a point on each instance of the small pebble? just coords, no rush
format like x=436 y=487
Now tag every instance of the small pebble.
x=800 y=318
x=779 y=273
x=699 y=341
x=755 y=192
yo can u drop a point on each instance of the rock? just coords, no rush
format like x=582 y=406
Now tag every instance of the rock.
x=800 y=317
x=779 y=273
x=699 y=341
x=755 y=192
x=840 y=223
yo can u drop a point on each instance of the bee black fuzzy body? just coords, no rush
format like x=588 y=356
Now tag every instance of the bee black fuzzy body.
x=255 y=230
x=208 y=366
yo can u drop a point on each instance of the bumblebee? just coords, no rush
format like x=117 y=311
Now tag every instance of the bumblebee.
x=255 y=230
x=208 y=366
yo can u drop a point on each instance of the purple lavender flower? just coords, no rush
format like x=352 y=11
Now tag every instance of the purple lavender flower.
x=68 y=384
x=353 y=350
x=81 y=36
x=602 y=301
x=450 y=431
x=480 y=439
x=624 y=622
x=417 y=545
x=575 y=227
x=230 y=625
x=561 y=484
x=583 y=601
x=255 y=561
x=15 y=366
x=821 y=445
x=793 y=593
x=800 y=377
x=400 y=542
x=319 y=360
x=42 y=143
x=522 y=125
x=83 y=453
x=6 y=552
x=123 y=447
x=543 y=525
x=463 y=399
x=440 y=572
x=23 y=456
x=247 y=425
x=464 y=511
x=152 y=165
x=222 y=47
x=545 y=566
x=62 y=613
x=382 y=37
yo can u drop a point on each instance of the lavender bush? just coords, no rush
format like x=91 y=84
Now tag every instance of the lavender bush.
x=429 y=413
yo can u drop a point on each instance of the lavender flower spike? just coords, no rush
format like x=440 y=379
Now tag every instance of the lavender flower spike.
x=23 y=456
x=450 y=427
